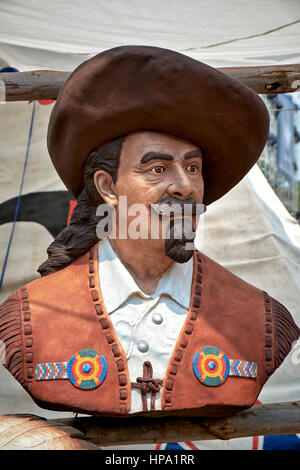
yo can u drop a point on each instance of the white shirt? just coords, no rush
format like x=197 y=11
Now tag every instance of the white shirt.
x=144 y=321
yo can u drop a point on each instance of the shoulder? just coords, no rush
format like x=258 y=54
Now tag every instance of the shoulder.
x=61 y=283
x=223 y=281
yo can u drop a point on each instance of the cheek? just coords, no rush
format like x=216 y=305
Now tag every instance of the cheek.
x=130 y=187
x=139 y=190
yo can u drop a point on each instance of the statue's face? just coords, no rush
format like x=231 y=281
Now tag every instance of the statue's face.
x=154 y=165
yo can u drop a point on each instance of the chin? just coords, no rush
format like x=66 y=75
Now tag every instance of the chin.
x=175 y=249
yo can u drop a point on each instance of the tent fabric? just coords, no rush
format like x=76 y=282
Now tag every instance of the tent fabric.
x=248 y=231
x=61 y=34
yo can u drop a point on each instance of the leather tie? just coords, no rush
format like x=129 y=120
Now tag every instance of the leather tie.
x=147 y=384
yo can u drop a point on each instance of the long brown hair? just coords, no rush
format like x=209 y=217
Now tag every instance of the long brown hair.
x=76 y=239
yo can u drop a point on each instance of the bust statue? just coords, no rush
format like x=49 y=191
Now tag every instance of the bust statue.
x=128 y=316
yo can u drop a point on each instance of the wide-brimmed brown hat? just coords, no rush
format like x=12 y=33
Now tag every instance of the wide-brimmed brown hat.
x=132 y=88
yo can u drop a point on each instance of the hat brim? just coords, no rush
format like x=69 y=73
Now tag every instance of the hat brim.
x=131 y=88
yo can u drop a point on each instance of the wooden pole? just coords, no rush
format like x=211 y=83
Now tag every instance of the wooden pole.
x=31 y=86
x=32 y=432
x=45 y=84
x=280 y=418
x=271 y=79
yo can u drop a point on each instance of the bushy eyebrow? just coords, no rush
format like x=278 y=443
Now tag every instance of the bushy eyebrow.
x=155 y=156
x=165 y=156
x=193 y=154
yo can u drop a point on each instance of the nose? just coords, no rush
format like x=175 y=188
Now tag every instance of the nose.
x=180 y=186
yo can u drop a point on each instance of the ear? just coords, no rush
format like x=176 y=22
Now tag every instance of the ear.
x=106 y=187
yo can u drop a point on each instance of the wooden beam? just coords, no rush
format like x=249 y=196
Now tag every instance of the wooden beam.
x=31 y=86
x=270 y=79
x=45 y=84
x=280 y=418
x=33 y=432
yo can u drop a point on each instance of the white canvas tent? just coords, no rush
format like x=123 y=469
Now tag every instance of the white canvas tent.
x=248 y=230
x=61 y=34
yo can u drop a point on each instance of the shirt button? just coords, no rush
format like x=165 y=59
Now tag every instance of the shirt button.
x=143 y=346
x=157 y=318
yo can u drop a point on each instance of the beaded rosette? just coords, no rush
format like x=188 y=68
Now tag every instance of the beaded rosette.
x=212 y=367
x=86 y=369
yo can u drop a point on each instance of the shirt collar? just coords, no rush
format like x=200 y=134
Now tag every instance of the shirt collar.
x=117 y=284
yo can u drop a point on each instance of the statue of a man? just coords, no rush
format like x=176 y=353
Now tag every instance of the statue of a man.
x=127 y=324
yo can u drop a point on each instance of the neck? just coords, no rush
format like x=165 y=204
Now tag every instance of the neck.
x=145 y=260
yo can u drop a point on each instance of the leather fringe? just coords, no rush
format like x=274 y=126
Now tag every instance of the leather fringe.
x=11 y=349
x=286 y=331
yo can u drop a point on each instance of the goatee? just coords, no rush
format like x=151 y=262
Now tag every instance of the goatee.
x=180 y=249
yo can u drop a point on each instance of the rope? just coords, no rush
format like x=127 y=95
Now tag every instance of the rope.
x=19 y=197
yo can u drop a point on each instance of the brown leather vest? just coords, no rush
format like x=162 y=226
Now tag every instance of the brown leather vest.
x=51 y=318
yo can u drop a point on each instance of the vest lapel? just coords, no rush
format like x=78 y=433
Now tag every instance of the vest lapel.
x=227 y=314
x=68 y=319
x=185 y=334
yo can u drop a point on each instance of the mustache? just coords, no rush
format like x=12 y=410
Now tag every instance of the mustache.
x=171 y=205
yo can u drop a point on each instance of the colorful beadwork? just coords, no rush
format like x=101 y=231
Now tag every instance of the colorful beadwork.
x=51 y=371
x=86 y=369
x=212 y=367
x=243 y=368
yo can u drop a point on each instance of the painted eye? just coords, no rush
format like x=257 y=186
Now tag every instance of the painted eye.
x=192 y=168
x=158 y=169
